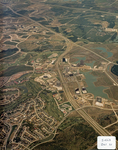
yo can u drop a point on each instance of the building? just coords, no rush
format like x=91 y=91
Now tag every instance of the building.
x=59 y=88
x=110 y=30
x=77 y=91
x=84 y=91
x=53 y=61
x=64 y=59
x=74 y=65
x=99 y=102
x=70 y=73
x=99 y=99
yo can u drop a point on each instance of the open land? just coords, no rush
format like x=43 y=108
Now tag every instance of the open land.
x=58 y=73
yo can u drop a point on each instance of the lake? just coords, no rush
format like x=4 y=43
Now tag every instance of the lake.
x=104 y=50
x=97 y=91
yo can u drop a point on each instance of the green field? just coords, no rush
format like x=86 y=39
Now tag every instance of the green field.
x=26 y=58
x=33 y=87
x=112 y=92
x=15 y=69
x=77 y=30
x=102 y=79
x=50 y=105
x=10 y=43
x=8 y=52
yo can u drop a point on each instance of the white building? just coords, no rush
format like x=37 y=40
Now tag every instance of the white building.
x=99 y=104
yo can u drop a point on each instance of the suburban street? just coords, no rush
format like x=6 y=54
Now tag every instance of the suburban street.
x=34 y=110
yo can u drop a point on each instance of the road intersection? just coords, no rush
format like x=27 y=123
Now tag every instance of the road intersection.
x=99 y=129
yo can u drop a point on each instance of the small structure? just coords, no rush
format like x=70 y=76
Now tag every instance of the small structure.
x=111 y=30
x=99 y=102
x=75 y=97
x=58 y=83
x=64 y=59
x=59 y=88
x=74 y=65
x=84 y=91
x=77 y=91
x=99 y=99
x=53 y=61
x=70 y=73
x=45 y=76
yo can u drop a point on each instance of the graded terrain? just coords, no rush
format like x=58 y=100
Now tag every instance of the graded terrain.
x=58 y=73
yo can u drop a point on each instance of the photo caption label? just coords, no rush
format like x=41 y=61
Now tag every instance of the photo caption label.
x=106 y=142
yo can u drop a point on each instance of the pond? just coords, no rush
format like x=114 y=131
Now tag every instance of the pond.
x=105 y=51
x=114 y=69
x=97 y=91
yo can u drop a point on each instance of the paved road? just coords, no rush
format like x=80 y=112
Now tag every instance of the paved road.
x=92 y=122
x=60 y=35
x=99 y=129
x=85 y=9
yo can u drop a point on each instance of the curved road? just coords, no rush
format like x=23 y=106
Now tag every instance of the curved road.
x=99 y=129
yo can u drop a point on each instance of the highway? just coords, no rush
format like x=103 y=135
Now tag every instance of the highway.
x=99 y=129
x=86 y=9
x=60 y=35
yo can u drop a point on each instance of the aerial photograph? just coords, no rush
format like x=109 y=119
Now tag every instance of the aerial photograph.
x=58 y=74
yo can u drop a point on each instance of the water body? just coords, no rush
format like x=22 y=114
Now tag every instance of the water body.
x=114 y=69
x=104 y=50
x=90 y=64
x=97 y=91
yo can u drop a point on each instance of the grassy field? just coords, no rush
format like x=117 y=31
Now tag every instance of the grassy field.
x=116 y=135
x=10 y=43
x=15 y=69
x=83 y=22
x=112 y=92
x=113 y=128
x=102 y=79
x=103 y=117
x=33 y=87
x=83 y=26
x=50 y=105
x=8 y=52
x=12 y=58
x=26 y=58
x=10 y=92
x=39 y=43
x=72 y=86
